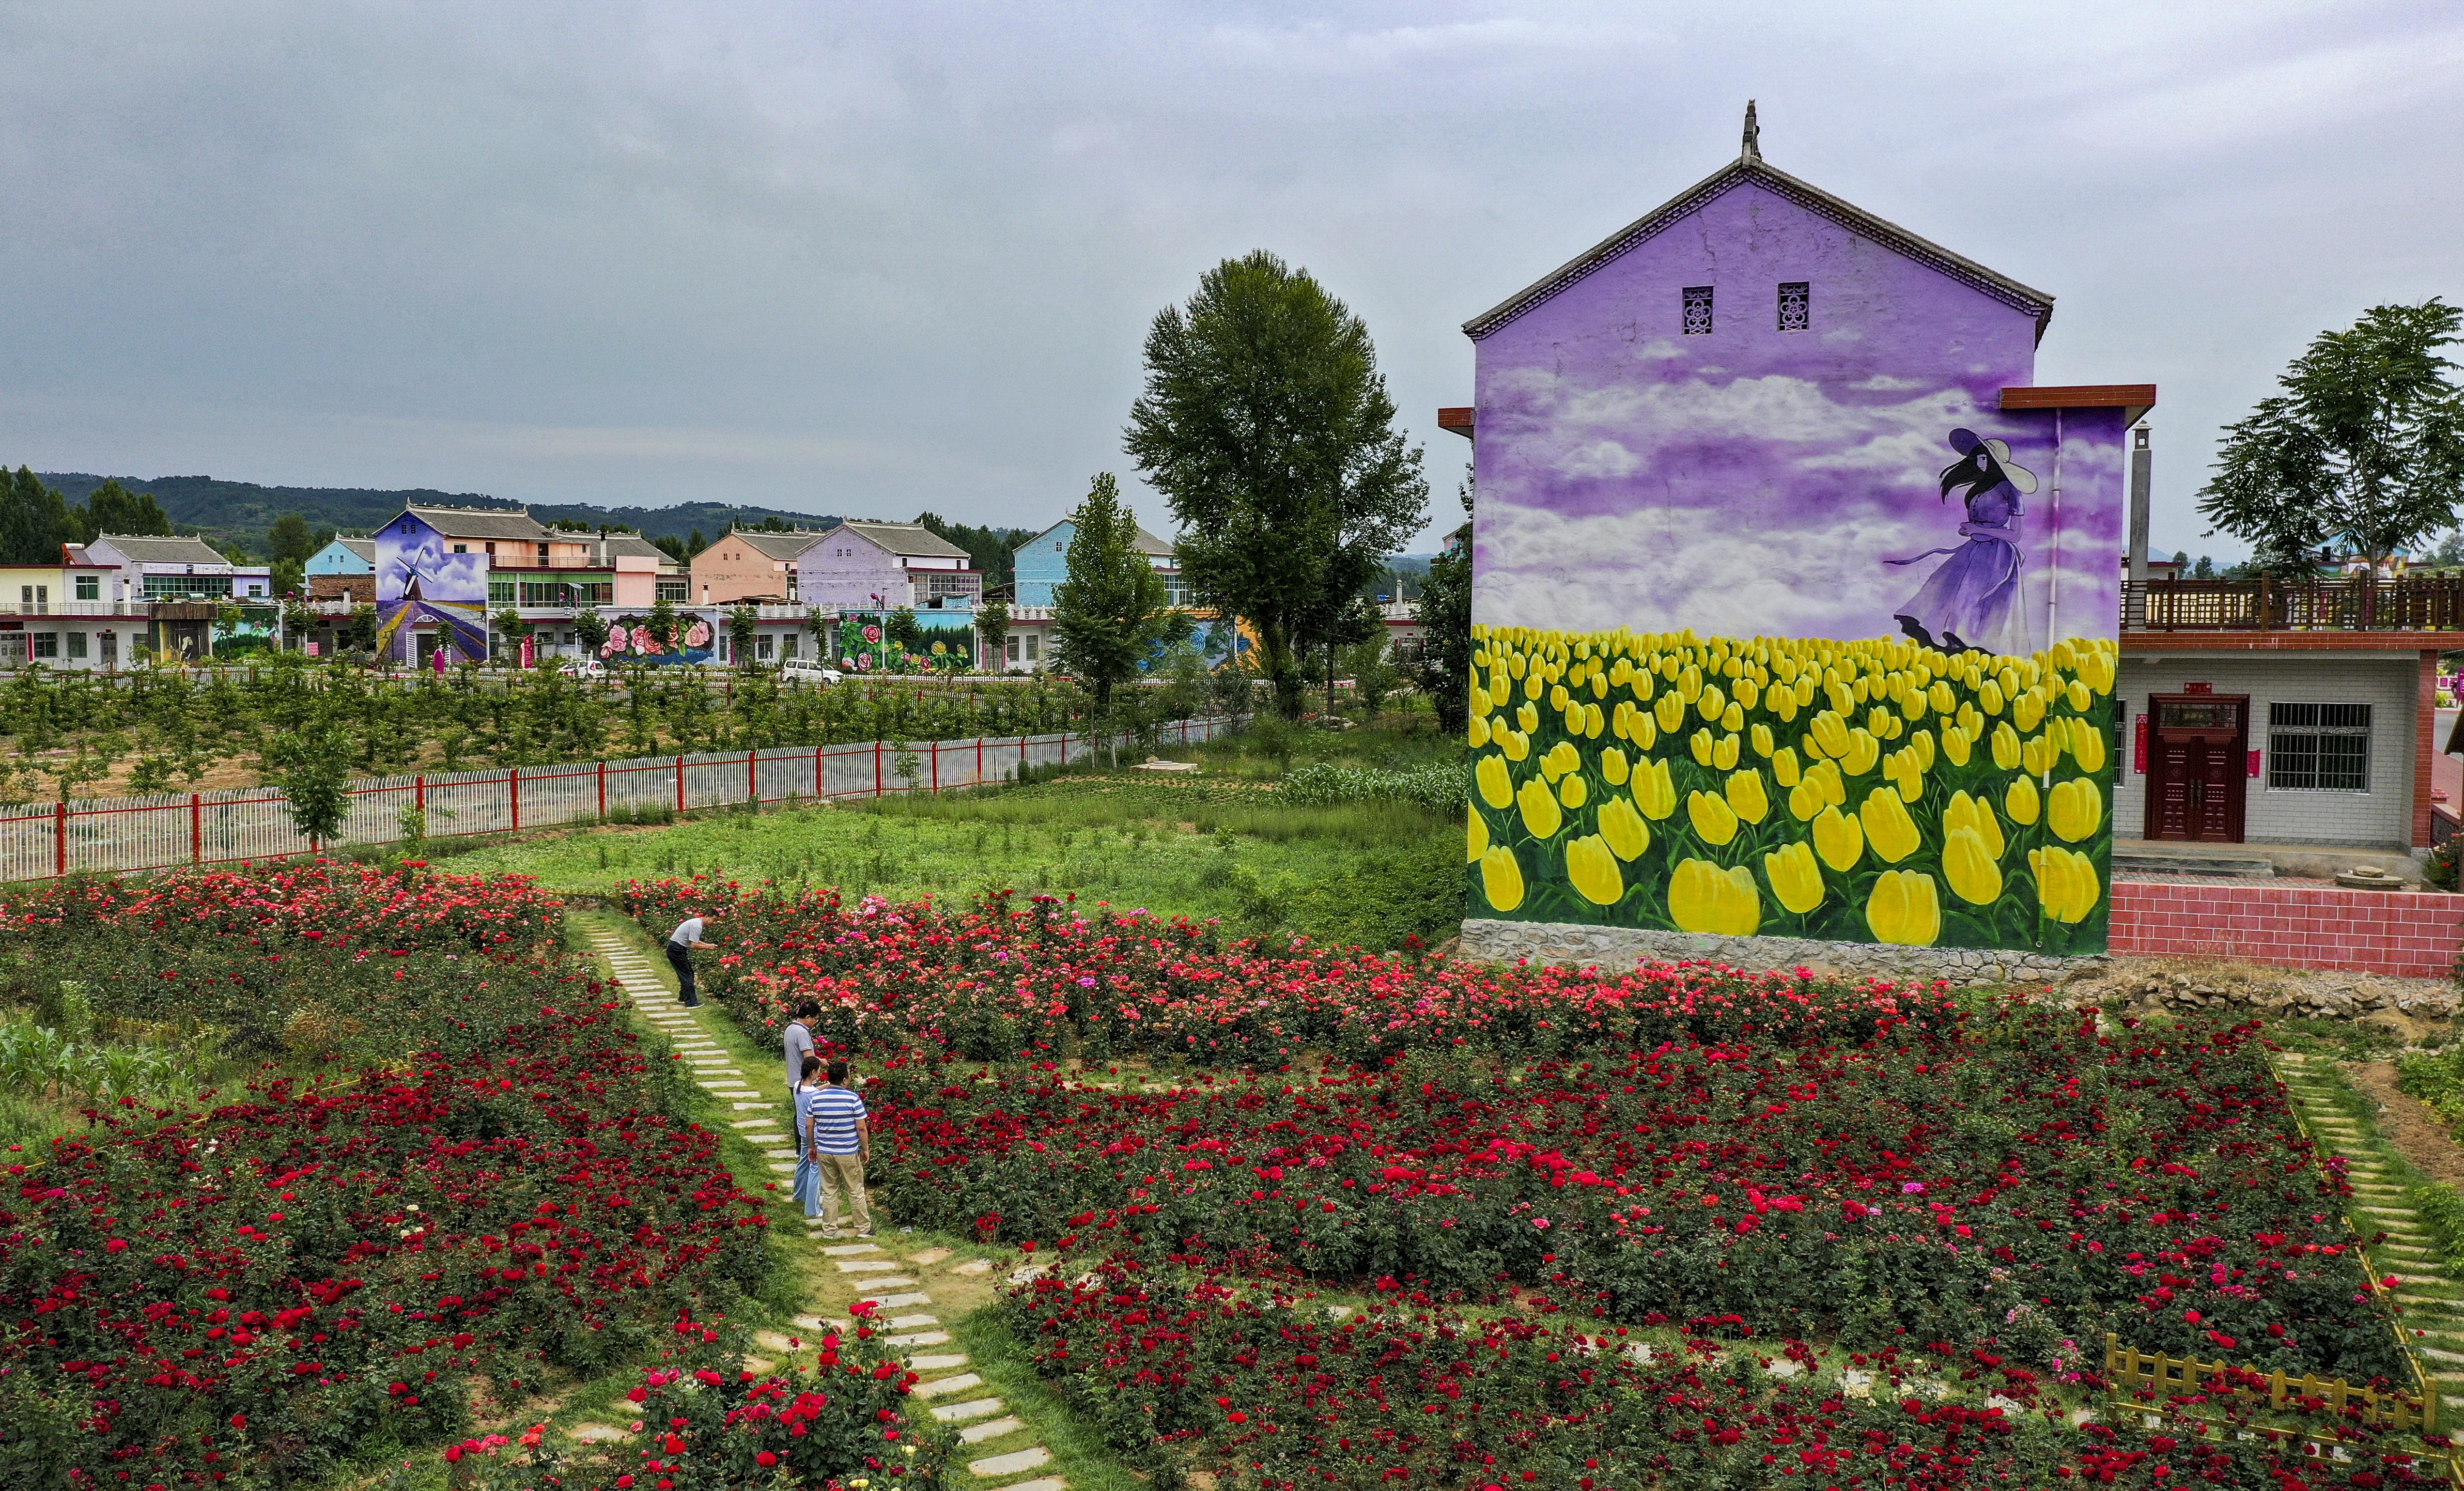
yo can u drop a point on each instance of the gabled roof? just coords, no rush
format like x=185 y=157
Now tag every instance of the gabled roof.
x=154 y=549
x=364 y=548
x=1751 y=168
x=774 y=544
x=908 y=539
x=631 y=546
x=501 y=523
x=1147 y=544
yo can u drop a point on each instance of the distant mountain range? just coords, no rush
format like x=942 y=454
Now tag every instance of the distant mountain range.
x=242 y=511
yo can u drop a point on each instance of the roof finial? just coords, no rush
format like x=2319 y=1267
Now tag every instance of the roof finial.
x=1753 y=149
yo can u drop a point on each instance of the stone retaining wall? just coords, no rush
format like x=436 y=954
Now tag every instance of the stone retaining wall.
x=1617 y=947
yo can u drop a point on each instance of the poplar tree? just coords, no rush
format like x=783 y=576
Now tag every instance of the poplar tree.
x=1267 y=426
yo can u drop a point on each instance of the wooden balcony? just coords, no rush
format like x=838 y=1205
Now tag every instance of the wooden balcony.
x=2428 y=603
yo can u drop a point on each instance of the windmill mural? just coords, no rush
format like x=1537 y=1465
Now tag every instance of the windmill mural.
x=420 y=584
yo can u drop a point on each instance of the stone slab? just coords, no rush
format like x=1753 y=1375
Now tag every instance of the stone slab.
x=978 y=1433
x=1624 y=947
x=982 y=1266
x=1012 y=1463
x=943 y=1386
x=929 y=1257
x=1041 y=1484
x=911 y=1322
x=921 y=1338
x=942 y=1362
x=956 y=1413
x=850 y=1249
x=892 y=1302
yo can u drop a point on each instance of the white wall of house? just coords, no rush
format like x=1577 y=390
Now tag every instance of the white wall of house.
x=2379 y=815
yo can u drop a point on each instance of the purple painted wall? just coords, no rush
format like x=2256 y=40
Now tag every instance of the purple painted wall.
x=1754 y=481
x=845 y=570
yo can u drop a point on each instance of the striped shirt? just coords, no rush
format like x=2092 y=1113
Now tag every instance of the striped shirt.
x=833 y=1113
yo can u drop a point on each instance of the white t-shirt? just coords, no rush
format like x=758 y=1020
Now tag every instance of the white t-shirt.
x=688 y=932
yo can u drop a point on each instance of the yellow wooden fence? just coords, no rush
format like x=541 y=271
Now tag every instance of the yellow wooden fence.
x=2127 y=1368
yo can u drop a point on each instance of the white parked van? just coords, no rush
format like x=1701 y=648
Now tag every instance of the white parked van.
x=812 y=670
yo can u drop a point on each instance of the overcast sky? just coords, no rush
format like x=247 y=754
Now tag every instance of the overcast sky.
x=868 y=259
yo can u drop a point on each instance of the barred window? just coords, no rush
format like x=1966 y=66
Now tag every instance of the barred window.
x=1795 y=305
x=1698 y=310
x=2321 y=747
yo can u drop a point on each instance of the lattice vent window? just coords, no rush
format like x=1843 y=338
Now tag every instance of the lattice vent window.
x=1698 y=310
x=1795 y=305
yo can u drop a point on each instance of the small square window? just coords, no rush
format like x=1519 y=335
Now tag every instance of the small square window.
x=1795 y=305
x=89 y=587
x=1698 y=310
x=76 y=643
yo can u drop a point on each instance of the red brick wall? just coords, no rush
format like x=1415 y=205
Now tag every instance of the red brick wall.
x=2414 y=935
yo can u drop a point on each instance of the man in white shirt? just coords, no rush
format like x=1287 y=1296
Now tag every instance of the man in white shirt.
x=682 y=943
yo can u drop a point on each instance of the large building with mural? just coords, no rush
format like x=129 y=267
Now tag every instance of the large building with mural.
x=1795 y=598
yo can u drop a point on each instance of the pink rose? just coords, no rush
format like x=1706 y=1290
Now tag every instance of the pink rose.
x=698 y=636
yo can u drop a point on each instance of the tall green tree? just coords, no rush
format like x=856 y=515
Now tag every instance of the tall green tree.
x=992 y=632
x=1444 y=668
x=313 y=767
x=112 y=508
x=1268 y=426
x=35 y=521
x=1112 y=610
x=2364 y=448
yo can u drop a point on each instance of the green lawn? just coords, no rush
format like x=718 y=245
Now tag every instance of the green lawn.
x=1215 y=845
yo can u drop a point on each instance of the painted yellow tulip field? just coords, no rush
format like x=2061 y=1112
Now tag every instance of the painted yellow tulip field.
x=1872 y=791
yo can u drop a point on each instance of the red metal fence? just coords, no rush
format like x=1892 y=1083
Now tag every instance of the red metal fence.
x=161 y=832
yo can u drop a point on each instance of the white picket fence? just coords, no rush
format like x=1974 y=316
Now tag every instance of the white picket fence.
x=115 y=835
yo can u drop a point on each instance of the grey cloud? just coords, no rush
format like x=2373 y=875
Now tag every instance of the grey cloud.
x=876 y=258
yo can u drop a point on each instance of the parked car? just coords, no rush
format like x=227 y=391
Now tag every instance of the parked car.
x=586 y=667
x=812 y=670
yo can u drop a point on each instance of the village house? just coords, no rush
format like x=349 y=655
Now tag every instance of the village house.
x=864 y=565
x=751 y=564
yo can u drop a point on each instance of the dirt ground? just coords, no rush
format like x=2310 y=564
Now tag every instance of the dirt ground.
x=2407 y=1123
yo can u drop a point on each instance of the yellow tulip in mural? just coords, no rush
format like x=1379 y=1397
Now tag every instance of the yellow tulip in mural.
x=1903 y=909
x=1872 y=789
x=1703 y=897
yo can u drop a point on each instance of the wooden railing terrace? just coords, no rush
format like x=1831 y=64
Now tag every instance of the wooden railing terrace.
x=2344 y=602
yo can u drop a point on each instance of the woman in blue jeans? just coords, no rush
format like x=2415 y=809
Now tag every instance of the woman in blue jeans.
x=809 y=1170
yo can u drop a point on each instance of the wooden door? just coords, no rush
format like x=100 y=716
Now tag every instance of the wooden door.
x=2195 y=774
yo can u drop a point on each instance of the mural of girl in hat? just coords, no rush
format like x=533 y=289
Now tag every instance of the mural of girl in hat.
x=1972 y=601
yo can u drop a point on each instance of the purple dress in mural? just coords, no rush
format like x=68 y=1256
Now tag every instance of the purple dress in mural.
x=1972 y=601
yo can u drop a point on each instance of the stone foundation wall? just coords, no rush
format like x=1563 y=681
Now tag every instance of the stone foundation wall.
x=1618 y=947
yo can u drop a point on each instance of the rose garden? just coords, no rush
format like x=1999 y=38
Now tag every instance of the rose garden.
x=1267 y=1212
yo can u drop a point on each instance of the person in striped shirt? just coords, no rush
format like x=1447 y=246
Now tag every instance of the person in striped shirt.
x=832 y=1121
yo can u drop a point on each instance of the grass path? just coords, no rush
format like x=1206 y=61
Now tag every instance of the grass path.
x=2433 y=1301
x=930 y=1289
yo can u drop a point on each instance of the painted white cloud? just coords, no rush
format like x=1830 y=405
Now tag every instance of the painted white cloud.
x=1601 y=458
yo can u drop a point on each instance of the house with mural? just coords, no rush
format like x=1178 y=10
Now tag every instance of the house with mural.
x=1795 y=598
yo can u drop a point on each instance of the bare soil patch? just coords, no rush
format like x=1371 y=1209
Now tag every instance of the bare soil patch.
x=2418 y=1133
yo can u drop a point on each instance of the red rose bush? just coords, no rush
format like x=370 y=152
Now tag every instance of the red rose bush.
x=1986 y=1187
x=249 y=1292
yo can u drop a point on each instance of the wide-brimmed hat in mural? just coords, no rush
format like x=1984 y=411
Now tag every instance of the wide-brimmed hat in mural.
x=1980 y=458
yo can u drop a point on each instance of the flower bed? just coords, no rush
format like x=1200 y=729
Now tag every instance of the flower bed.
x=251 y=1291
x=1883 y=1170
x=1262 y=1388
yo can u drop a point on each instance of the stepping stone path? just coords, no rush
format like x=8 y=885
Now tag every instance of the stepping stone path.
x=2434 y=1304
x=987 y=1419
